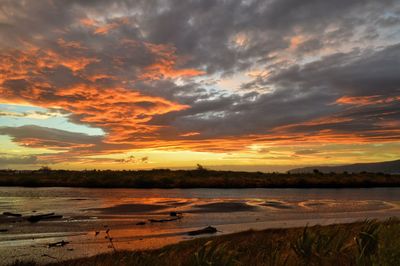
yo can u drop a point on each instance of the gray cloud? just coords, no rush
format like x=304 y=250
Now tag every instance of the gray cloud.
x=48 y=136
x=13 y=160
x=306 y=152
x=356 y=73
x=307 y=92
x=202 y=30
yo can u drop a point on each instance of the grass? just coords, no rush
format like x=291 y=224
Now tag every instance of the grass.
x=201 y=178
x=363 y=243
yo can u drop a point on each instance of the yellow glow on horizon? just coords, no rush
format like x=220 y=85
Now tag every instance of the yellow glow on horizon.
x=10 y=148
x=277 y=156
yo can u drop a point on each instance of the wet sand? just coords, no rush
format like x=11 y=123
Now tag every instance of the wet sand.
x=222 y=207
x=131 y=208
x=277 y=205
x=88 y=214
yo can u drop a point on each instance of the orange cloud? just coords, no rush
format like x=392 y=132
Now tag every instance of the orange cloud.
x=68 y=45
x=295 y=41
x=101 y=28
x=190 y=134
x=165 y=65
x=25 y=77
x=97 y=77
x=366 y=100
x=105 y=28
x=17 y=65
x=119 y=111
x=77 y=64
x=316 y=122
x=88 y=22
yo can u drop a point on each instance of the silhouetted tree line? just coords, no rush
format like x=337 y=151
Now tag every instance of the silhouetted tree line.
x=198 y=178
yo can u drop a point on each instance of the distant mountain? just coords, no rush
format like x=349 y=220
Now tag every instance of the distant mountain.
x=391 y=167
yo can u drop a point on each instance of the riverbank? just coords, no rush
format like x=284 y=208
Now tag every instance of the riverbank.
x=165 y=178
x=363 y=243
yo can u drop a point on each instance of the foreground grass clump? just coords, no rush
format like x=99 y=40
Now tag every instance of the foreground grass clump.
x=363 y=243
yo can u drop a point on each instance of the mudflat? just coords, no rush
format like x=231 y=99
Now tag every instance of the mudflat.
x=128 y=215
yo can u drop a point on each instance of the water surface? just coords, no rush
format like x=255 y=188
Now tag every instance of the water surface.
x=87 y=211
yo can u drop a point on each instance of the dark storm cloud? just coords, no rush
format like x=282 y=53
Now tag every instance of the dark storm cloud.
x=201 y=30
x=205 y=30
x=307 y=92
x=248 y=114
x=355 y=73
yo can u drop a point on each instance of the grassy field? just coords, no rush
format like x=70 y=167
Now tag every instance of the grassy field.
x=363 y=243
x=201 y=178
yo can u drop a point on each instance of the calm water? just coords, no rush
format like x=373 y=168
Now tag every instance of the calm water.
x=86 y=211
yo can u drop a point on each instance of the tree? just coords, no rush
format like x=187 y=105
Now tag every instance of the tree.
x=316 y=171
x=45 y=169
x=200 y=168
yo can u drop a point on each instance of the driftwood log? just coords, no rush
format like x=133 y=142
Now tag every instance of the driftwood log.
x=12 y=214
x=48 y=216
x=206 y=230
x=164 y=220
x=58 y=244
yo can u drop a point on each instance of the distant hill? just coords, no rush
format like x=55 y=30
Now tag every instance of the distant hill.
x=390 y=167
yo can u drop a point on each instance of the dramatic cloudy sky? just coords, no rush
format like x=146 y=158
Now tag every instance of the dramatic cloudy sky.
x=235 y=84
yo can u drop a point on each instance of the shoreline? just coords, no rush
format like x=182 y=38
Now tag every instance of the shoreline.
x=253 y=247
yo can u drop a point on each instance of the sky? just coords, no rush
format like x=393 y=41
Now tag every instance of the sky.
x=242 y=85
